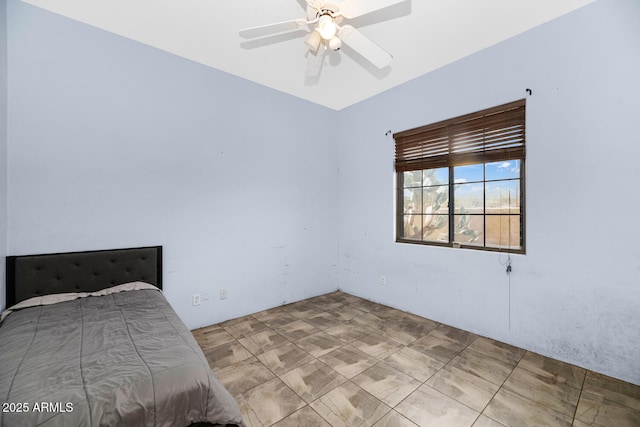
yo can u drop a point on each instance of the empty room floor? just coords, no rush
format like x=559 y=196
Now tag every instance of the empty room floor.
x=339 y=360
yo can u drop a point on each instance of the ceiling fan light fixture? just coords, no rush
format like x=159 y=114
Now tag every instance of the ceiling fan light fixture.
x=324 y=19
x=327 y=27
x=313 y=41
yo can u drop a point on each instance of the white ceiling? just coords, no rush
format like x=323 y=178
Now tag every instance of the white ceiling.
x=422 y=35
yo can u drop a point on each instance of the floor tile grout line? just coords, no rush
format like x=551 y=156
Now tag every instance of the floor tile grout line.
x=501 y=386
x=449 y=364
x=402 y=345
x=424 y=383
x=576 y=387
x=350 y=380
x=531 y=400
x=262 y=383
x=573 y=417
x=308 y=404
x=498 y=390
x=575 y=412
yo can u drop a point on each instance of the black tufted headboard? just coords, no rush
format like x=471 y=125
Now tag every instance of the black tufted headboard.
x=35 y=275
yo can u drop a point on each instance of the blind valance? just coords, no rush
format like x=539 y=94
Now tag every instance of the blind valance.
x=494 y=134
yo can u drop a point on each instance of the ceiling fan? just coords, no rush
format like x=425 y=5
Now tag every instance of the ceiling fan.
x=324 y=21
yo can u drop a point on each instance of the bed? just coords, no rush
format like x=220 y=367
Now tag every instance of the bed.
x=92 y=341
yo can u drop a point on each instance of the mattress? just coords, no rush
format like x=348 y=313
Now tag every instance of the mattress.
x=120 y=359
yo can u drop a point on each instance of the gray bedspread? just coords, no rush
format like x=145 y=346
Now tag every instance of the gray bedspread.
x=124 y=359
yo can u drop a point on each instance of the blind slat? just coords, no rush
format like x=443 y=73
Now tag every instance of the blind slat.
x=489 y=135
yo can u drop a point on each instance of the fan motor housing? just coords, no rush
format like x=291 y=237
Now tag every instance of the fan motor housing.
x=325 y=9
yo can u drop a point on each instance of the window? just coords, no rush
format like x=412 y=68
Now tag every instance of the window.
x=461 y=181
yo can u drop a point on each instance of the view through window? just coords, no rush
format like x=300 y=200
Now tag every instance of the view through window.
x=475 y=197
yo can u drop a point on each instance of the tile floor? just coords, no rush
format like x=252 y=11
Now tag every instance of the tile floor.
x=339 y=360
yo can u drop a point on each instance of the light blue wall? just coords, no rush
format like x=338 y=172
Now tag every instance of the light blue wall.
x=3 y=148
x=575 y=295
x=115 y=144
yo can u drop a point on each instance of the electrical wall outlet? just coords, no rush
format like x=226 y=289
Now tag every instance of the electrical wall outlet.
x=223 y=294
x=196 y=299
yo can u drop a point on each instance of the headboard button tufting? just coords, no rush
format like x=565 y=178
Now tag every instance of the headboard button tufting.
x=87 y=271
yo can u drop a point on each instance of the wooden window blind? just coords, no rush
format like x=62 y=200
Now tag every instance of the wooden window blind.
x=494 y=134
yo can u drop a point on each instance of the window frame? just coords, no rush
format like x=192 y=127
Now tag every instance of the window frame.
x=453 y=161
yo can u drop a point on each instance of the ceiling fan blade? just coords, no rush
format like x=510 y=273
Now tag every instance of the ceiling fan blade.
x=314 y=63
x=364 y=46
x=267 y=30
x=317 y=5
x=353 y=8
